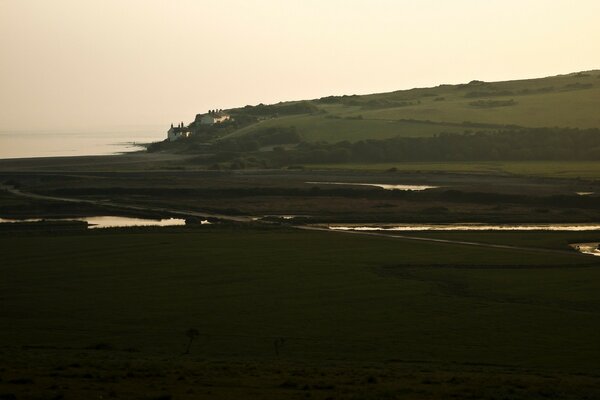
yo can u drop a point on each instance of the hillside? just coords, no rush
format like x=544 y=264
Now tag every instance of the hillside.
x=559 y=101
x=546 y=119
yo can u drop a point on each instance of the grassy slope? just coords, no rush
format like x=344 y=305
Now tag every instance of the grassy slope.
x=331 y=295
x=564 y=107
x=316 y=128
x=575 y=108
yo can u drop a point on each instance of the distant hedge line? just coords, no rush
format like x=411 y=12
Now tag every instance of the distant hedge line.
x=451 y=196
x=519 y=145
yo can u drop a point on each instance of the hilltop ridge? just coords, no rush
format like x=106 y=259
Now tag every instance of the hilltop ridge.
x=569 y=100
x=532 y=119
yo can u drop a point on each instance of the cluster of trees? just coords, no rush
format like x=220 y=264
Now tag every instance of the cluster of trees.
x=492 y=103
x=368 y=102
x=446 y=196
x=488 y=93
x=579 y=86
x=271 y=136
x=384 y=103
x=509 y=143
x=492 y=92
x=273 y=110
x=345 y=99
x=519 y=144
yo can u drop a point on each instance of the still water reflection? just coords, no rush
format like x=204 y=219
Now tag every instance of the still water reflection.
x=587 y=248
x=469 y=227
x=385 y=186
x=54 y=144
x=110 y=221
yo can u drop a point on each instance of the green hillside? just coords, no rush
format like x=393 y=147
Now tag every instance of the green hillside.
x=561 y=101
x=547 y=119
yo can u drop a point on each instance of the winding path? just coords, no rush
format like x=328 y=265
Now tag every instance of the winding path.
x=197 y=214
x=448 y=241
x=109 y=203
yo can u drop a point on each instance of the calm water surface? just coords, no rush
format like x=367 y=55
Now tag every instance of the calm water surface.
x=111 y=221
x=469 y=227
x=587 y=248
x=57 y=144
x=385 y=186
x=119 y=222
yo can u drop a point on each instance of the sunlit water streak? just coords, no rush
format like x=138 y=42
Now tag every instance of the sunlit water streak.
x=468 y=227
x=587 y=248
x=385 y=186
x=119 y=222
x=111 y=221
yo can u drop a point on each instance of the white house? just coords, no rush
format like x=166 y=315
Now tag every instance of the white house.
x=178 y=132
x=212 y=117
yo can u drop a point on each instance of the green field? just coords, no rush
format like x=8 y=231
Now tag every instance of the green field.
x=320 y=128
x=570 y=108
x=103 y=314
x=331 y=296
x=558 y=101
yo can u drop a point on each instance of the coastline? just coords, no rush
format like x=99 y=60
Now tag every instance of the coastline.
x=41 y=144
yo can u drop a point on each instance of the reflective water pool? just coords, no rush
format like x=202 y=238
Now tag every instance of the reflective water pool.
x=469 y=227
x=110 y=221
x=587 y=248
x=385 y=186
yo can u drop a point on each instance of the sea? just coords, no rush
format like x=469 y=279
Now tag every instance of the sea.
x=26 y=144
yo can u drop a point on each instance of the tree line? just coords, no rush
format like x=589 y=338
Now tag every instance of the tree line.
x=507 y=145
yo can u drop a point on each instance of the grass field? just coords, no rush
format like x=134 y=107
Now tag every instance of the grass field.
x=558 y=101
x=543 y=239
x=320 y=128
x=570 y=108
x=561 y=106
x=86 y=374
x=331 y=296
x=295 y=314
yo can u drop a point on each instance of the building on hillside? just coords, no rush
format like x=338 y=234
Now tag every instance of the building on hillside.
x=178 y=132
x=212 y=117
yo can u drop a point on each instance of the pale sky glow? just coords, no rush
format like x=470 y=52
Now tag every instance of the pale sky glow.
x=73 y=64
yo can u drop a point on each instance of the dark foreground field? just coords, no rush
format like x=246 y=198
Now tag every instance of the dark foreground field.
x=294 y=314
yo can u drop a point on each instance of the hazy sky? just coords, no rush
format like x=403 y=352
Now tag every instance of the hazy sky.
x=73 y=64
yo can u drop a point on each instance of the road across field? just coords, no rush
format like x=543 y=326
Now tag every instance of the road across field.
x=109 y=203
x=198 y=214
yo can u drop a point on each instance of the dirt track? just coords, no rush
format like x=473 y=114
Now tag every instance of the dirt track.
x=112 y=204
x=188 y=213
